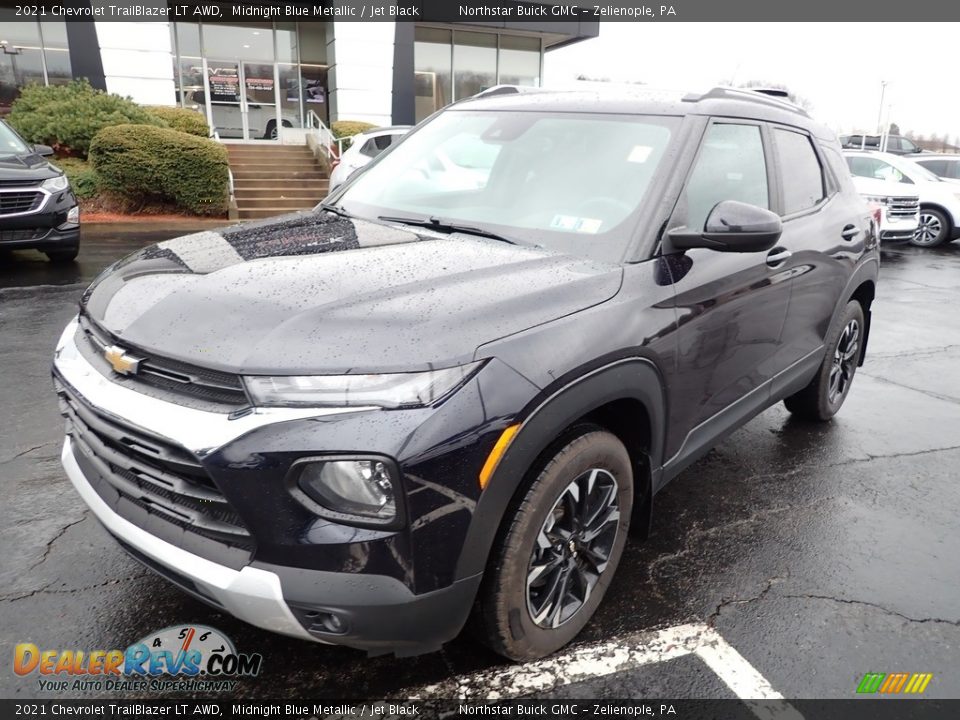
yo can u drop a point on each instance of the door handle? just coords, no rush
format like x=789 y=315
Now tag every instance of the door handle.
x=849 y=232
x=777 y=256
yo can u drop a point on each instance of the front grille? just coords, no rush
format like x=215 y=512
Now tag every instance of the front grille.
x=20 y=202
x=19 y=183
x=154 y=474
x=164 y=378
x=903 y=207
x=22 y=235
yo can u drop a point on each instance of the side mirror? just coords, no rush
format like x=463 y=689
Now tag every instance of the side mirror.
x=43 y=150
x=731 y=227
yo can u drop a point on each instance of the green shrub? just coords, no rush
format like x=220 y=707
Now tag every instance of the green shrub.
x=67 y=117
x=153 y=164
x=349 y=128
x=182 y=119
x=83 y=178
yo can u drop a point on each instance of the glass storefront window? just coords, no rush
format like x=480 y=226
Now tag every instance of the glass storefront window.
x=474 y=63
x=54 y=34
x=188 y=39
x=519 y=60
x=313 y=43
x=59 y=70
x=14 y=33
x=287 y=46
x=314 y=88
x=242 y=41
x=432 y=62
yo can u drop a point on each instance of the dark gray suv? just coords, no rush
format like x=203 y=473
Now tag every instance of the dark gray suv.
x=455 y=386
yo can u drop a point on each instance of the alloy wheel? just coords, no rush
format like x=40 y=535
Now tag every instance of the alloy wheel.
x=929 y=229
x=573 y=548
x=845 y=357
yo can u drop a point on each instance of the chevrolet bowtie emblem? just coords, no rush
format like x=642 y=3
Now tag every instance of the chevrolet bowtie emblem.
x=121 y=362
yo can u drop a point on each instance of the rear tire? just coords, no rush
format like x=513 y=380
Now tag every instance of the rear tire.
x=62 y=256
x=558 y=551
x=823 y=397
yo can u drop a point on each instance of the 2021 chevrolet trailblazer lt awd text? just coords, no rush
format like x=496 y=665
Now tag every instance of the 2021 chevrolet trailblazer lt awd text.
x=429 y=400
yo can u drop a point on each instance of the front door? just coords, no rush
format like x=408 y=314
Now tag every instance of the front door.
x=242 y=99
x=731 y=307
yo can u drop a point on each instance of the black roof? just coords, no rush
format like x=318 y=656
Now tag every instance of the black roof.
x=643 y=100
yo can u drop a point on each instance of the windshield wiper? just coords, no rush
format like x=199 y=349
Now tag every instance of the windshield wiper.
x=435 y=223
x=335 y=209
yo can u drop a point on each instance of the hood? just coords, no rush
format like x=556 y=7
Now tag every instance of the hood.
x=871 y=186
x=25 y=166
x=316 y=293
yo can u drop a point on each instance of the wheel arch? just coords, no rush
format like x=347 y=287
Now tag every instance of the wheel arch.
x=607 y=397
x=954 y=221
x=862 y=287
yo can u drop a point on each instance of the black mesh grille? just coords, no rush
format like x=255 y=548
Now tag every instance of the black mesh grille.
x=157 y=476
x=19 y=202
x=22 y=235
x=18 y=183
x=165 y=378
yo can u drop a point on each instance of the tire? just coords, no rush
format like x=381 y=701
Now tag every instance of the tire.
x=824 y=396
x=62 y=256
x=933 y=230
x=521 y=622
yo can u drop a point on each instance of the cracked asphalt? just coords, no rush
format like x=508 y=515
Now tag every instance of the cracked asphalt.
x=818 y=552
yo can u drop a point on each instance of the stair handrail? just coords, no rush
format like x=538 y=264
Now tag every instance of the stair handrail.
x=325 y=137
x=230 y=185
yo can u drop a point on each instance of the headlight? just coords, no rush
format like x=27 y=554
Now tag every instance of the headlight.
x=878 y=199
x=363 y=488
x=397 y=390
x=56 y=184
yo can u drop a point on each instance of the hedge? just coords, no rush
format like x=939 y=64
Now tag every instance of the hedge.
x=182 y=119
x=152 y=164
x=67 y=117
x=349 y=128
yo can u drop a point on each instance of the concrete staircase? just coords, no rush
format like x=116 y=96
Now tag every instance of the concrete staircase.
x=271 y=179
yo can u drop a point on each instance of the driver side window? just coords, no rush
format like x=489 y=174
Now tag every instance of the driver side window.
x=731 y=166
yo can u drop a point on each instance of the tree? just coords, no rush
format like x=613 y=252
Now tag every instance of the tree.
x=895 y=129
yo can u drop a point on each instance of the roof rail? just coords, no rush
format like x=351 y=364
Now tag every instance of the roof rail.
x=505 y=90
x=773 y=97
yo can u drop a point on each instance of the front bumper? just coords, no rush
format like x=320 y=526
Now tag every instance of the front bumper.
x=391 y=592
x=46 y=228
x=250 y=594
x=893 y=229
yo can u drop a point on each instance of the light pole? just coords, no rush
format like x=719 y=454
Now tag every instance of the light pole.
x=883 y=90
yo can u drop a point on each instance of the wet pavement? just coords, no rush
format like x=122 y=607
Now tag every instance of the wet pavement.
x=818 y=553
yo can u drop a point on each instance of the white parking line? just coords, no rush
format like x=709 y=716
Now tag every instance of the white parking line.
x=606 y=658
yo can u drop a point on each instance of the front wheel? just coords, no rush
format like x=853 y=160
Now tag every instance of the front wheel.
x=932 y=230
x=823 y=397
x=560 y=549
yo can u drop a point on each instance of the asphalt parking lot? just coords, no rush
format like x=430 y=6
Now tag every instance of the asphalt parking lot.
x=814 y=553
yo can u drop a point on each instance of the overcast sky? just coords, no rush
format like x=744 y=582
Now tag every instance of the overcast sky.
x=838 y=67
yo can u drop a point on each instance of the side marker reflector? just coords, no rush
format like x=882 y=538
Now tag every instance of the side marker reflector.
x=493 y=459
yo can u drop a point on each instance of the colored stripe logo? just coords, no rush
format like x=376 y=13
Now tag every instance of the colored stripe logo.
x=894 y=683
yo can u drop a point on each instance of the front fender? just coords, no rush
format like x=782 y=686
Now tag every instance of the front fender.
x=631 y=378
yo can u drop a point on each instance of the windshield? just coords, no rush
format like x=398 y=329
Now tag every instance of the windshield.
x=571 y=182
x=10 y=144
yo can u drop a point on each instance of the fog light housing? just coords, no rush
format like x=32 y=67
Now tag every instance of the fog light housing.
x=73 y=215
x=362 y=488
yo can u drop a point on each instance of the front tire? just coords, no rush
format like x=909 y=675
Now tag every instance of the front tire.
x=554 y=561
x=933 y=229
x=823 y=397
x=62 y=256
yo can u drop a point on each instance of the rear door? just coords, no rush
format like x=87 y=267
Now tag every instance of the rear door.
x=825 y=230
x=730 y=306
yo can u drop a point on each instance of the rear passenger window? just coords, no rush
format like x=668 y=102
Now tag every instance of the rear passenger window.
x=802 y=176
x=731 y=166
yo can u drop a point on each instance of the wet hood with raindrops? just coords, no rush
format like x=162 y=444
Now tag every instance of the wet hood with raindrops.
x=317 y=293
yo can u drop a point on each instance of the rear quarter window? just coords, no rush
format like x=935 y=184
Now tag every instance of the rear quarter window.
x=801 y=174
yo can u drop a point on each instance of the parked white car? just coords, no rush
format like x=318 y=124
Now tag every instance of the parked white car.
x=945 y=167
x=899 y=210
x=364 y=147
x=939 y=200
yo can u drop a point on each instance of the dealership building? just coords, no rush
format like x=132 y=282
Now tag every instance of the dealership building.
x=252 y=78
